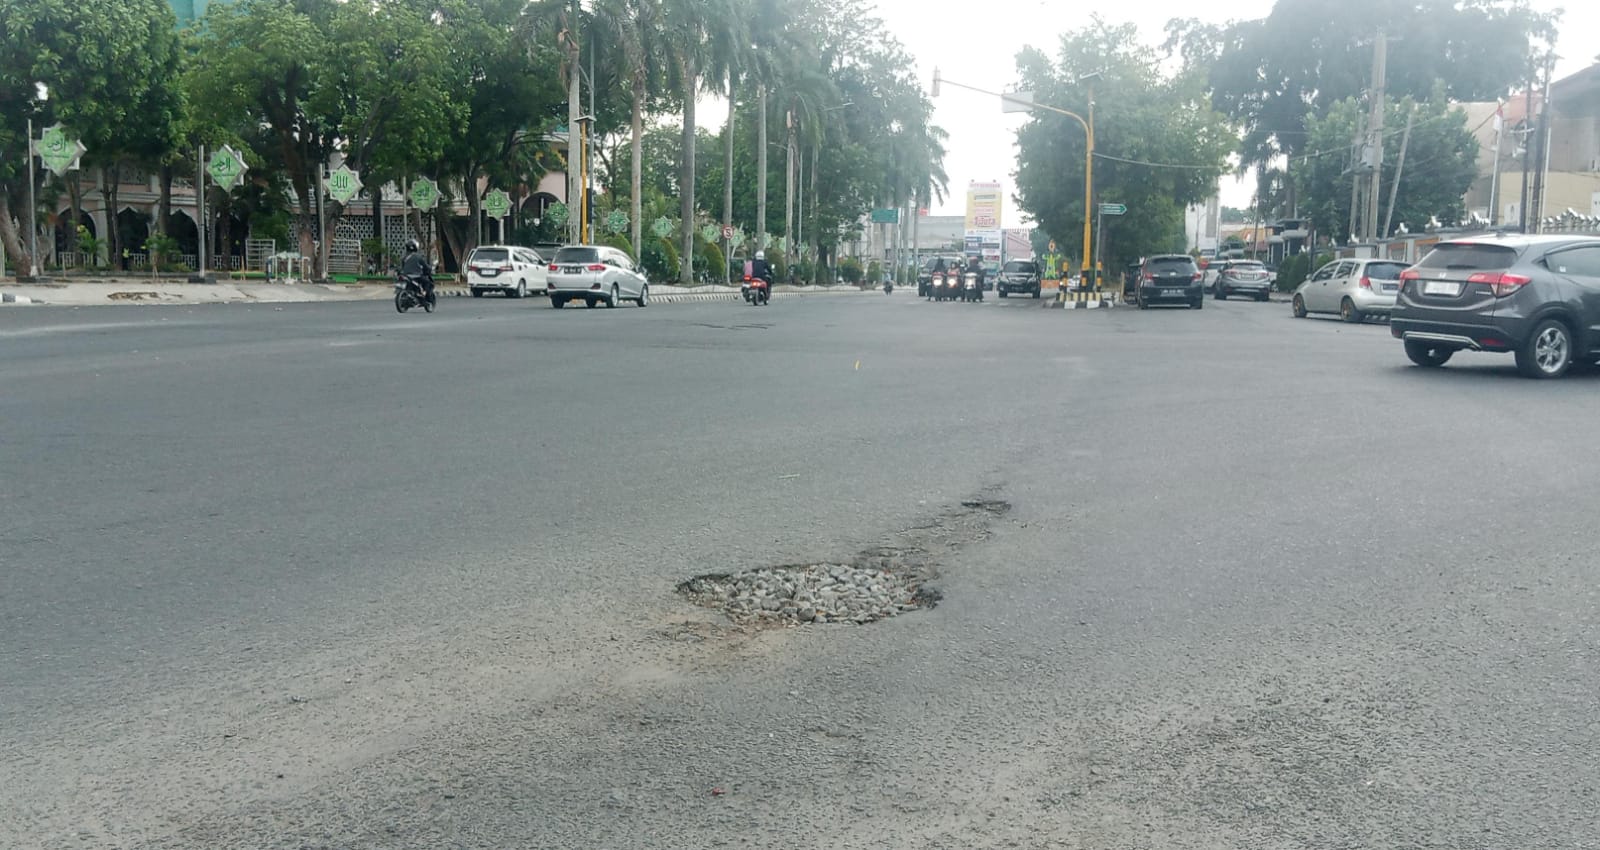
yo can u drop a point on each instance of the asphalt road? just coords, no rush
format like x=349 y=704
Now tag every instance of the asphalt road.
x=324 y=576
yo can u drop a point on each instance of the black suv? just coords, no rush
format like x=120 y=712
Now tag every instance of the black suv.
x=1535 y=296
x=1173 y=279
x=1020 y=276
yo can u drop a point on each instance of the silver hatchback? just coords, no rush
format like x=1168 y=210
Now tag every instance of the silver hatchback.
x=1355 y=289
x=595 y=274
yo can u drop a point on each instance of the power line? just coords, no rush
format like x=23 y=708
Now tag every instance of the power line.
x=1105 y=156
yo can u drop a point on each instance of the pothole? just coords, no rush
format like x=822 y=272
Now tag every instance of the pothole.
x=814 y=593
x=880 y=582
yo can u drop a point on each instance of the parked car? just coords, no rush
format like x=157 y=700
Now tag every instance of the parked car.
x=596 y=274
x=1535 y=296
x=1355 y=289
x=1171 y=279
x=1241 y=277
x=507 y=269
x=1019 y=276
x=936 y=265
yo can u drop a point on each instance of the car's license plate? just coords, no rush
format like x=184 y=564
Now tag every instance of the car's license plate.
x=571 y=269
x=1441 y=287
x=1175 y=293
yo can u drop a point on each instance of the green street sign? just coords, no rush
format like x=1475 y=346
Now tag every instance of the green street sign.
x=424 y=194
x=737 y=239
x=617 y=221
x=711 y=233
x=226 y=167
x=662 y=227
x=557 y=214
x=1113 y=209
x=343 y=184
x=57 y=151
x=885 y=216
x=497 y=204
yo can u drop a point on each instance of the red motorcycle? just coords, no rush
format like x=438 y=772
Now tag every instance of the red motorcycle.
x=757 y=291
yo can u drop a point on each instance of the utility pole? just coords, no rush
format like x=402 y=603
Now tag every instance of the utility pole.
x=1546 y=117
x=1358 y=174
x=574 y=132
x=1399 y=169
x=1380 y=59
x=1527 y=147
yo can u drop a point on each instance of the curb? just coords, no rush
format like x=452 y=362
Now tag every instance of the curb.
x=1084 y=301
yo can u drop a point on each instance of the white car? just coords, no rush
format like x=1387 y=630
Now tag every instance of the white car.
x=1355 y=289
x=596 y=274
x=505 y=268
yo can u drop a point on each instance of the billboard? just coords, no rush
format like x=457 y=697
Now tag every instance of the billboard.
x=984 y=203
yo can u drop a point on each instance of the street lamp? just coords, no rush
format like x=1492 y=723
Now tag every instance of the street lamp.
x=41 y=93
x=1025 y=102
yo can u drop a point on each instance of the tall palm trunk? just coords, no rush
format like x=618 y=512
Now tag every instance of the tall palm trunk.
x=638 y=164
x=761 y=170
x=686 y=177
x=727 y=172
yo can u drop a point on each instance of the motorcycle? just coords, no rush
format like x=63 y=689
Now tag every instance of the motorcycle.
x=757 y=291
x=408 y=293
x=888 y=287
x=946 y=286
x=971 y=290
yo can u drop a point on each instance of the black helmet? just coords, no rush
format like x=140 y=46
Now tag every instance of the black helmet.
x=411 y=246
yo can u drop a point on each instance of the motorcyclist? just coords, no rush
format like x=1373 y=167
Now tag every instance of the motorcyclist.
x=416 y=266
x=975 y=267
x=760 y=269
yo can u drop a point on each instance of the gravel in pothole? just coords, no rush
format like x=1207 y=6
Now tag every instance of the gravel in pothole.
x=820 y=593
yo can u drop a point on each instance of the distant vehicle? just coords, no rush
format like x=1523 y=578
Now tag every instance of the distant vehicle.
x=1171 y=279
x=1535 y=296
x=938 y=264
x=1355 y=289
x=507 y=269
x=991 y=273
x=1241 y=277
x=1019 y=276
x=596 y=274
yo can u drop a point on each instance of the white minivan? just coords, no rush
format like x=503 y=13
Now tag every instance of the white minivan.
x=507 y=269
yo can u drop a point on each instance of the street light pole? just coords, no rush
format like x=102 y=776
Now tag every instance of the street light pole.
x=1088 y=157
x=33 y=212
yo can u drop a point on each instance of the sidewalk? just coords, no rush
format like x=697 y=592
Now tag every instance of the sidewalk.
x=168 y=291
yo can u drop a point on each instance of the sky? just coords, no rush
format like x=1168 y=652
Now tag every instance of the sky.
x=982 y=139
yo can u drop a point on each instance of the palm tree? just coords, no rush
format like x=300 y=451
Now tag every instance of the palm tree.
x=636 y=25
x=695 y=34
x=731 y=52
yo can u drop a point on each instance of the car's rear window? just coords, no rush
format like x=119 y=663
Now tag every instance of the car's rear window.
x=1248 y=265
x=1469 y=256
x=1171 y=264
x=491 y=255
x=577 y=255
x=1020 y=267
x=1386 y=271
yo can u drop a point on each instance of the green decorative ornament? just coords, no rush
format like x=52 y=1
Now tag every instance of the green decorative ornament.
x=617 y=221
x=738 y=238
x=782 y=243
x=557 y=214
x=662 y=227
x=711 y=233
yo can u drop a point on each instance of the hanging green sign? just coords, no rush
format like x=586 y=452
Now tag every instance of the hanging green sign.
x=59 y=152
x=710 y=232
x=496 y=204
x=617 y=221
x=226 y=167
x=662 y=227
x=557 y=214
x=424 y=194
x=343 y=184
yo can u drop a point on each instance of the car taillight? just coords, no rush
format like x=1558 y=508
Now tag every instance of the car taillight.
x=554 y=267
x=596 y=267
x=1500 y=283
x=1199 y=276
x=1366 y=282
x=506 y=268
x=1149 y=276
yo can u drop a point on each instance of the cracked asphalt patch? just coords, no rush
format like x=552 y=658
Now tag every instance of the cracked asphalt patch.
x=878 y=583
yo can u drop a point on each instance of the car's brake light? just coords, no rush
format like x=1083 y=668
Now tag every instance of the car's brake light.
x=1410 y=274
x=1198 y=276
x=1501 y=283
x=554 y=267
x=596 y=267
x=1149 y=276
x=1366 y=282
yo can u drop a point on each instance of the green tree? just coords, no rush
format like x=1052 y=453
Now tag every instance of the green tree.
x=700 y=36
x=1159 y=145
x=109 y=66
x=1271 y=75
x=1440 y=164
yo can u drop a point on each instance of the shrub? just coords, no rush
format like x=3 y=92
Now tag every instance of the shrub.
x=850 y=269
x=708 y=259
x=660 y=260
